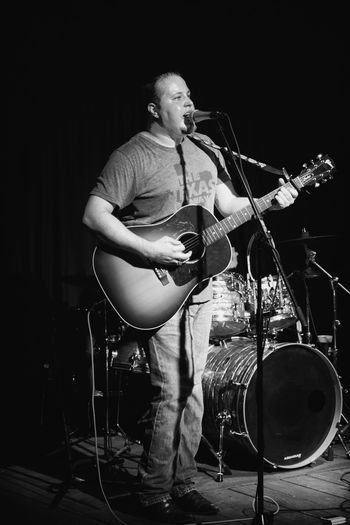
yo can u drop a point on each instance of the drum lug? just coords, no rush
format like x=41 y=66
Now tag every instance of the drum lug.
x=224 y=417
x=232 y=383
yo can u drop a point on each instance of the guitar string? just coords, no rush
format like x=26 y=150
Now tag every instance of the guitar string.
x=197 y=240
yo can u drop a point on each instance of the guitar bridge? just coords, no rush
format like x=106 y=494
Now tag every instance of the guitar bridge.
x=162 y=276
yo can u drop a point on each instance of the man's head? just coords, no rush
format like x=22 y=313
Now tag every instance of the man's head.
x=169 y=104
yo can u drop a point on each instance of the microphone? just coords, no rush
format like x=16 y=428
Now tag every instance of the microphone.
x=199 y=115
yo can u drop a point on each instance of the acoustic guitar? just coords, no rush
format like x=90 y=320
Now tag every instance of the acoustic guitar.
x=146 y=296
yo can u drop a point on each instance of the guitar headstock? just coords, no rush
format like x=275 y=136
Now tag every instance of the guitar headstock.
x=317 y=172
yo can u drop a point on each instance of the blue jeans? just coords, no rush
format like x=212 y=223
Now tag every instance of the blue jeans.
x=173 y=424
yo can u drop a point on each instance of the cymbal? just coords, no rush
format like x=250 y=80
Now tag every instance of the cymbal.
x=308 y=273
x=307 y=238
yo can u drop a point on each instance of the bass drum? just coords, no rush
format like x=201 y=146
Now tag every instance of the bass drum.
x=301 y=407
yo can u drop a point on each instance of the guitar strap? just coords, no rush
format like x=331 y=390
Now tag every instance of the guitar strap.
x=198 y=142
x=222 y=170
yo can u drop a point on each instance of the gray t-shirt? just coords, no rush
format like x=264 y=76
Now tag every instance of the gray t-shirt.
x=147 y=182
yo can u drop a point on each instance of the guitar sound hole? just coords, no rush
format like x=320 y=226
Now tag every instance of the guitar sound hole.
x=193 y=242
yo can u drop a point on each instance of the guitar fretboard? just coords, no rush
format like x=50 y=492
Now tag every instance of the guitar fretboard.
x=216 y=231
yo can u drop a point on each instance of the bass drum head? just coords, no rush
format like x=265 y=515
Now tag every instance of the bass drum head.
x=302 y=400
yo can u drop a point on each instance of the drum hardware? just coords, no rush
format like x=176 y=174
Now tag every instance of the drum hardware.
x=127 y=363
x=332 y=350
x=113 y=341
x=109 y=453
x=130 y=357
x=218 y=455
x=72 y=478
x=342 y=430
x=224 y=418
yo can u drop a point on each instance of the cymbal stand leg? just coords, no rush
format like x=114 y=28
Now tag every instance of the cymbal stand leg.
x=342 y=430
x=339 y=435
x=127 y=442
x=329 y=454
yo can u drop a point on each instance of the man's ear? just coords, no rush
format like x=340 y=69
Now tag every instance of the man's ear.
x=152 y=108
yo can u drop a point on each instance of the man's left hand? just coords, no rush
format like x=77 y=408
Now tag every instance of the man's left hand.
x=285 y=196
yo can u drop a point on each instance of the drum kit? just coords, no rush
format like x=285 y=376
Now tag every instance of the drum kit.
x=235 y=306
x=303 y=395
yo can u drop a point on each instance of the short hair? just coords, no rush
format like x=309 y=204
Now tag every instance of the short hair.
x=150 y=92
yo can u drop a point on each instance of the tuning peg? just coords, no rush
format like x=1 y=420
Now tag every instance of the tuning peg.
x=320 y=155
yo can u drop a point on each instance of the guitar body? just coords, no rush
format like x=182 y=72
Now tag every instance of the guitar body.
x=141 y=296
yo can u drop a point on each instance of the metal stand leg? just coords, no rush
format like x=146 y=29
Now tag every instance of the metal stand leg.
x=341 y=433
x=223 y=417
x=127 y=442
x=223 y=468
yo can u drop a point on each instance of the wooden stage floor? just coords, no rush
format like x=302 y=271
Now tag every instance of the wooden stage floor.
x=57 y=467
x=67 y=486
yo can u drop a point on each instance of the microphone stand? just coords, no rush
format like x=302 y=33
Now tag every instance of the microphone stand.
x=257 y=163
x=261 y=517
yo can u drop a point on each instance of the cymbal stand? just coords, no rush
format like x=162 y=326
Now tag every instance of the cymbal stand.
x=109 y=454
x=119 y=429
x=334 y=282
x=306 y=334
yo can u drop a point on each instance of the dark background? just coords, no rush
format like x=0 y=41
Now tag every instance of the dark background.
x=279 y=69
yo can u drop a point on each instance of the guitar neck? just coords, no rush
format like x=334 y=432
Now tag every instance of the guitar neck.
x=230 y=223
